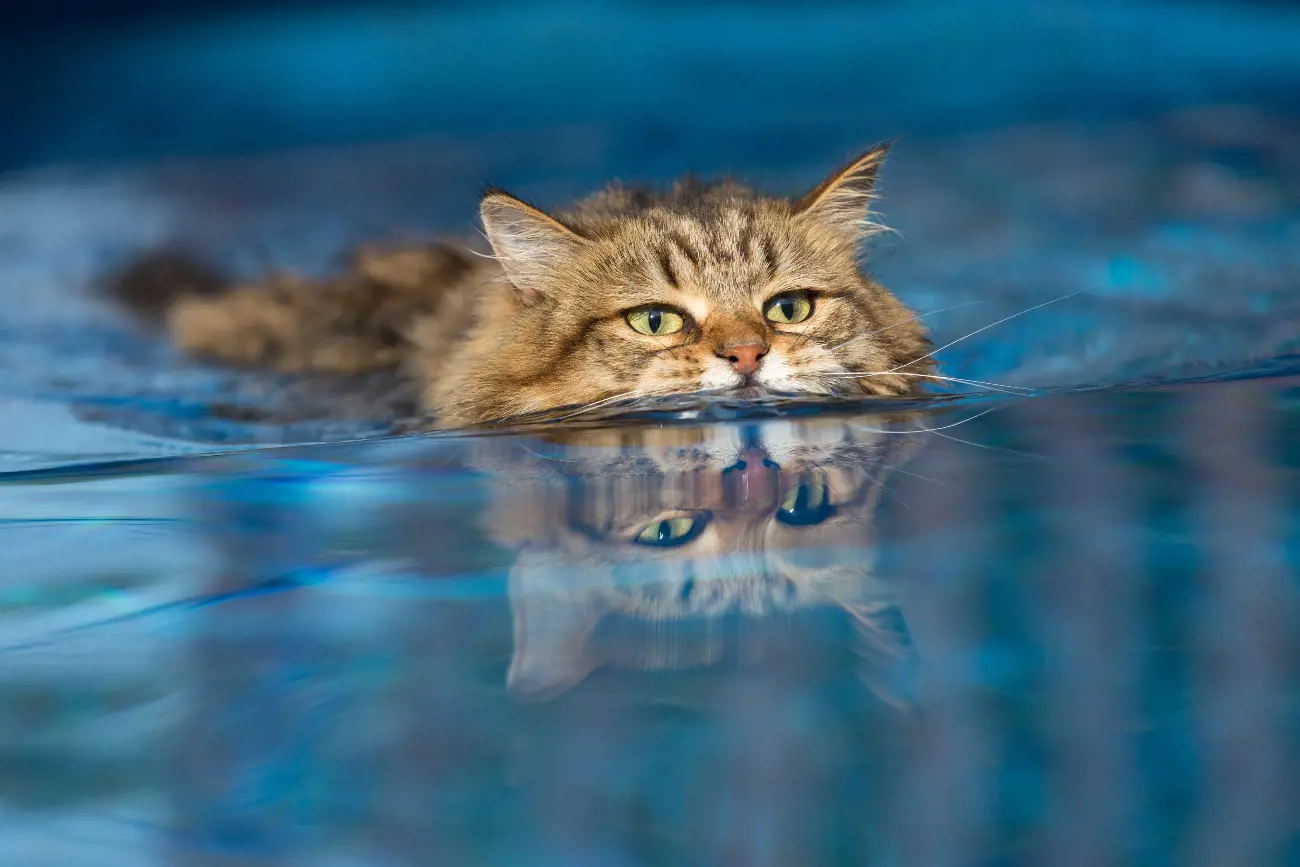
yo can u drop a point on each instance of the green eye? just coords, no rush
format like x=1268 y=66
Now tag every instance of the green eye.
x=808 y=502
x=789 y=308
x=656 y=321
x=670 y=532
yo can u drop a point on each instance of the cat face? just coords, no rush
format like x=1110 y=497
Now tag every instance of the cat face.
x=646 y=557
x=704 y=288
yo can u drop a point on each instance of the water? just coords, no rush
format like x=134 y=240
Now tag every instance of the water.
x=1071 y=642
x=1050 y=619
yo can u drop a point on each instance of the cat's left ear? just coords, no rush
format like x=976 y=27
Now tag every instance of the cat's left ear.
x=528 y=243
x=843 y=200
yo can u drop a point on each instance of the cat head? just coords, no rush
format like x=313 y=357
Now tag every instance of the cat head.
x=703 y=287
x=690 y=545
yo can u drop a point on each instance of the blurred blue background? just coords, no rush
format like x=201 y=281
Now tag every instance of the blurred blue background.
x=301 y=655
x=651 y=87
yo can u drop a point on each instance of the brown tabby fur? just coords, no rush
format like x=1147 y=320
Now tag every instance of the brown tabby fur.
x=540 y=324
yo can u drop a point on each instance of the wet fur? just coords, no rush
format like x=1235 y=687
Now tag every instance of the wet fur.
x=539 y=323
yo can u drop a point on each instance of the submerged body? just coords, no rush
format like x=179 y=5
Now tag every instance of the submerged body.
x=628 y=294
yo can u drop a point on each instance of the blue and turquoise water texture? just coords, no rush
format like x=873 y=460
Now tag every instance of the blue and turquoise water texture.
x=1051 y=618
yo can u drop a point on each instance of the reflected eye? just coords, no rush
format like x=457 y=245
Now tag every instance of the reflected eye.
x=808 y=502
x=671 y=532
x=656 y=321
x=789 y=308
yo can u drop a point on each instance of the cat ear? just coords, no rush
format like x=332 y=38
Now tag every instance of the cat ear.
x=889 y=663
x=844 y=199
x=528 y=243
x=552 y=624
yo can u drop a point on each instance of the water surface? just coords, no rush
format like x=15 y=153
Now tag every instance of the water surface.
x=1047 y=619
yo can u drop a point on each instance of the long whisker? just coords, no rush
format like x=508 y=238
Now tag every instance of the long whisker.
x=583 y=408
x=992 y=386
x=548 y=457
x=986 y=328
x=957 y=424
x=910 y=319
x=811 y=333
x=614 y=399
x=1017 y=452
x=596 y=404
x=879 y=481
x=932 y=429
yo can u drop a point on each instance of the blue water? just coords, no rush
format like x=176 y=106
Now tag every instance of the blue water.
x=1049 y=618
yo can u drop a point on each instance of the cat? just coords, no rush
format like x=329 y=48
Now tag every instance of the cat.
x=677 y=547
x=628 y=294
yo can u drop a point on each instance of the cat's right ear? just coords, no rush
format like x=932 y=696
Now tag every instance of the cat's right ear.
x=528 y=243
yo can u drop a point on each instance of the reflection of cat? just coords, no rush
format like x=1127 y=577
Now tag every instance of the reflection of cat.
x=627 y=294
x=641 y=558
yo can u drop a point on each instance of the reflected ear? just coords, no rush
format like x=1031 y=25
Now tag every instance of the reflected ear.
x=843 y=200
x=552 y=626
x=889 y=660
x=528 y=243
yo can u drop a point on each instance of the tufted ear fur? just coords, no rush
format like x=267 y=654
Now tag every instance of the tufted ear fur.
x=843 y=200
x=528 y=243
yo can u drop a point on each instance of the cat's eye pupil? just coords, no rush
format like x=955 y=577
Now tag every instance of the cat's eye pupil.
x=788 y=309
x=655 y=321
x=808 y=503
x=671 y=532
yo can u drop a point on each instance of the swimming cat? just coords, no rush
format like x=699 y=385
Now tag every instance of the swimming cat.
x=630 y=293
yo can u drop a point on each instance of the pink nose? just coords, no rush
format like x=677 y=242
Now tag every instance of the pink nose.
x=745 y=357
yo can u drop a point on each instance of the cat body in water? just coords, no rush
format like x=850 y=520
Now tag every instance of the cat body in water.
x=627 y=294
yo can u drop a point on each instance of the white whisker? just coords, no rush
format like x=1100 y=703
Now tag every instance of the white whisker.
x=548 y=457
x=986 y=328
x=910 y=319
x=596 y=404
x=957 y=424
x=992 y=386
x=986 y=446
x=614 y=399
x=931 y=429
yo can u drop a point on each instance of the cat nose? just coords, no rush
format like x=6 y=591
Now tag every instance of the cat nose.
x=750 y=484
x=744 y=357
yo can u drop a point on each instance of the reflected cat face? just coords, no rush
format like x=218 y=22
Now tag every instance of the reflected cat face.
x=679 y=533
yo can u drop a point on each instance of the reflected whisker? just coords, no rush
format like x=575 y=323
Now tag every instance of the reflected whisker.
x=930 y=429
x=986 y=446
x=527 y=450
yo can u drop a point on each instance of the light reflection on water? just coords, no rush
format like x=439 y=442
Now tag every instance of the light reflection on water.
x=822 y=640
